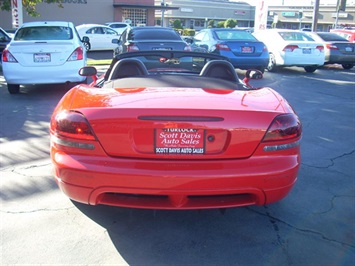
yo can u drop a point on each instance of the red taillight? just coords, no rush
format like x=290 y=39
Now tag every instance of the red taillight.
x=265 y=49
x=8 y=57
x=290 y=48
x=284 y=127
x=71 y=125
x=320 y=48
x=132 y=48
x=222 y=47
x=331 y=46
x=78 y=54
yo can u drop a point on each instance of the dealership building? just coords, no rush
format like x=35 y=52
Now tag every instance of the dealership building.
x=194 y=14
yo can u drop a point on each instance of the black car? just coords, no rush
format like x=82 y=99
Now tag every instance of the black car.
x=135 y=39
x=4 y=39
x=337 y=50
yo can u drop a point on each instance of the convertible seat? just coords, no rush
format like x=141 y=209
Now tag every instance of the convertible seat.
x=128 y=67
x=219 y=69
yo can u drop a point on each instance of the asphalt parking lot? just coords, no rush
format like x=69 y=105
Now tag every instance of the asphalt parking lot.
x=313 y=225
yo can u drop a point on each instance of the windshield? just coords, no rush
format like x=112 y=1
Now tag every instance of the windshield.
x=44 y=33
x=234 y=35
x=168 y=61
x=295 y=36
x=332 y=37
x=154 y=35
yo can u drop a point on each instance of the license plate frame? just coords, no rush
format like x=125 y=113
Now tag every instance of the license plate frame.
x=179 y=141
x=162 y=48
x=42 y=57
x=307 y=50
x=247 y=49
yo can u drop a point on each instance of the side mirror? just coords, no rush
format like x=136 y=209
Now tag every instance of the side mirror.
x=116 y=41
x=85 y=39
x=88 y=71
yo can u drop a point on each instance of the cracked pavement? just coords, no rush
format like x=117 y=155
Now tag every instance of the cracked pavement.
x=313 y=225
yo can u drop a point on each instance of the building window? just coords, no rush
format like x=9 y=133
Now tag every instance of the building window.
x=138 y=17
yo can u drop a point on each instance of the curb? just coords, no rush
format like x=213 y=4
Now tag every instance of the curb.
x=91 y=62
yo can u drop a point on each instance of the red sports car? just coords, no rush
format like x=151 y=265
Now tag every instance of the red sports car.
x=174 y=130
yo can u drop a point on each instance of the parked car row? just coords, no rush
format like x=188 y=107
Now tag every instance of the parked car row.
x=54 y=51
x=279 y=47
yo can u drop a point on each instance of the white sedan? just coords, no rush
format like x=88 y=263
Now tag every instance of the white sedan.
x=43 y=52
x=291 y=48
x=100 y=36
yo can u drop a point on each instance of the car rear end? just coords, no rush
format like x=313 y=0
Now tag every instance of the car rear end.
x=298 y=49
x=348 y=34
x=155 y=39
x=44 y=53
x=302 y=54
x=242 y=48
x=338 y=50
x=292 y=48
x=340 y=53
x=207 y=151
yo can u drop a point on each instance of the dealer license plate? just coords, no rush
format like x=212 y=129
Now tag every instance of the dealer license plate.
x=182 y=141
x=307 y=50
x=247 y=49
x=42 y=58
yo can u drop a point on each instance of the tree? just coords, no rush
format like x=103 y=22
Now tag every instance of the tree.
x=230 y=23
x=29 y=5
x=211 y=23
x=220 y=24
x=177 y=24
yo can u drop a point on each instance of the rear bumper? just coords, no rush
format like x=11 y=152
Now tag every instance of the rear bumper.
x=14 y=73
x=339 y=59
x=245 y=62
x=290 y=59
x=175 y=184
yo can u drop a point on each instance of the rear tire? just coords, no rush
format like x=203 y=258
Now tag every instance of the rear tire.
x=310 y=69
x=271 y=67
x=13 y=88
x=87 y=46
x=347 y=66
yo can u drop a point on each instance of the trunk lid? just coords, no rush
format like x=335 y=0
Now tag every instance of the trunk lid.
x=180 y=122
x=42 y=53
x=245 y=49
x=163 y=45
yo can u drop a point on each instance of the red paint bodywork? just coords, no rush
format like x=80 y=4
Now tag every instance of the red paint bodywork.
x=123 y=169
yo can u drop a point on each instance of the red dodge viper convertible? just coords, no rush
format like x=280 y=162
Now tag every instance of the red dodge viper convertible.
x=174 y=130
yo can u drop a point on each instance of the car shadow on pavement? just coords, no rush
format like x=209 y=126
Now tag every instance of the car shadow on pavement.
x=187 y=237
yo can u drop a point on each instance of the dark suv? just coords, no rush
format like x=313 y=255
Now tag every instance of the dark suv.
x=135 y=39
